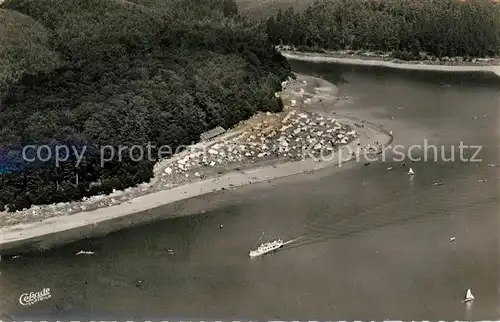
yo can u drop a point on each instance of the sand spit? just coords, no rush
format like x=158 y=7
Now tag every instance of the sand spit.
x=265 y=142
x=268 y=146
x=478 y=65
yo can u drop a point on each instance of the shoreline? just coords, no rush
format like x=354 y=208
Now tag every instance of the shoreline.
x=64 y=229
x=264 y=139
x=388 y=62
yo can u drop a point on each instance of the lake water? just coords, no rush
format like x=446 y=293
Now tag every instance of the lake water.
x=374 y=244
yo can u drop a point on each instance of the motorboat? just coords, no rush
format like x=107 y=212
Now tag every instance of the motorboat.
x=84 y=252
x=265 y=248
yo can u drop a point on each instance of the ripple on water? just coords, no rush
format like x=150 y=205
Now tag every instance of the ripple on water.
x=460 y=195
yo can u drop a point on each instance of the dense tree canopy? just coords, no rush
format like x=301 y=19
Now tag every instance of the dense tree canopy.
x=94 y=73
x=405 y=27
x=24 y=47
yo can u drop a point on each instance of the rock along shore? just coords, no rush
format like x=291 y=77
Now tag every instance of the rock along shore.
x=491 y=65
x=266 y=147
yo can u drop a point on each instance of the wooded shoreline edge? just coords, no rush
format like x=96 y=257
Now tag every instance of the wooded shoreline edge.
x=60 y=230
x=362 y=61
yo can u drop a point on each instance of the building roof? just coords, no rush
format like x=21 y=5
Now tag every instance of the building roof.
x=212 y=133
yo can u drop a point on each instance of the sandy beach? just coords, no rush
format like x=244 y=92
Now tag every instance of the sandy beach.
x=34 y=234
x=488 y=67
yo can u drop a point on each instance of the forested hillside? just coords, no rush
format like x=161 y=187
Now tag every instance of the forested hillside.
x=404 y=27
x=93 y=73
x=265 y=8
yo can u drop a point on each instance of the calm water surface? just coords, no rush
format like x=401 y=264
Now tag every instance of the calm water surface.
x=374 y=243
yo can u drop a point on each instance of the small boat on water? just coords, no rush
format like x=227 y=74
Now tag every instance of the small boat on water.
x=265 y=248
x=468 y=297
x=84 y=252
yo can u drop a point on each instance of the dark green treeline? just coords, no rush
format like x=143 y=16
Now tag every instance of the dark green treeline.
x=94 y=73
x=405 y=27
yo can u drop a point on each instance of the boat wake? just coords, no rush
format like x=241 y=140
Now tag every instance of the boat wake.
x=406 y=207
x=341 y=227
x=293 y=240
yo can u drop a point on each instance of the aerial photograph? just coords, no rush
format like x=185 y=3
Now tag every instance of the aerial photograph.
x=249 y=160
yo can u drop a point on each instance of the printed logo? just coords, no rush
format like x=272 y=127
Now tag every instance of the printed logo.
x=34 y=297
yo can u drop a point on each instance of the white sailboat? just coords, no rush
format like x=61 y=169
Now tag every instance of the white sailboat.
x=411 y=172
x=265 y=248
x=468 y=296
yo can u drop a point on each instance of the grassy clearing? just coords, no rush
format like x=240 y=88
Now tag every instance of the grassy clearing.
x=23 y=47
x=265 y=8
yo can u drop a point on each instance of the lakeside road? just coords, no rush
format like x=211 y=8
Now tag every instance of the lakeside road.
x=59 y=230
x=326 y=58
